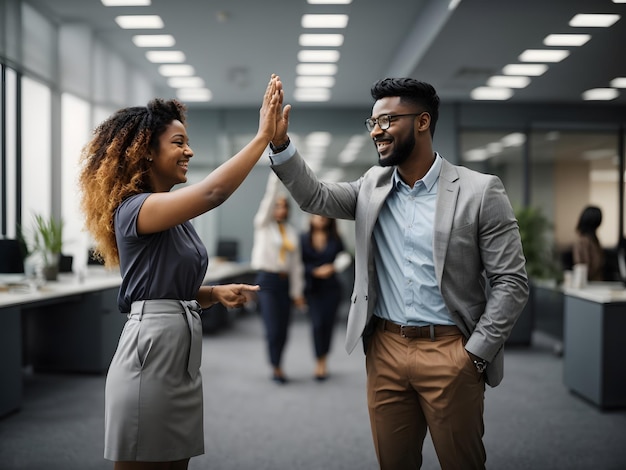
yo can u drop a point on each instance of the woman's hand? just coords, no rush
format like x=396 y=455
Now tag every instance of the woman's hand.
x=233 y=295
x=323 y=271
x=267 y=113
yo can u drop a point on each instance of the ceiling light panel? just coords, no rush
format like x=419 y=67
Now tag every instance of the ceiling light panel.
x=164 y=57
x=154 y=40
x=332 y=2
x=185 y=82
x=139 y=21
x=532 y=70
x=619 y=82
x=508 y=81
x=179 y=70
x=566 y=39
x=321 y=40
x=491 y=93
x=316 y=69
x=593 y=20
x=600 y=94
x=311 y=94
x=318 y=56
x=324 y=21
x=315 y=81
x=194 y=94
x=543 y=55
x=126 y=3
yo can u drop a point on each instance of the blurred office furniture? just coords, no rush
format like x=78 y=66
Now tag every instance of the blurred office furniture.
x=594 y=359
x=11 y=257
x=227 y=249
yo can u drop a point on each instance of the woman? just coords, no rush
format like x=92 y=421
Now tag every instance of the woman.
x=276 y=257
x=320 y=247
x=587 y=249
x=153 y=396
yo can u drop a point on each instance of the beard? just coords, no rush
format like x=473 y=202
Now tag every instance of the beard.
x=400 y=154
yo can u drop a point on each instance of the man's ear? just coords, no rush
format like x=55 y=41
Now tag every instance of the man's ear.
x=423 y=122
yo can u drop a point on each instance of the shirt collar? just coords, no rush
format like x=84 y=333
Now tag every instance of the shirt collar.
x=429 y=179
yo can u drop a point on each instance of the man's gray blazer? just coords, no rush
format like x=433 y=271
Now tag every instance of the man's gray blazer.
x=476 y=240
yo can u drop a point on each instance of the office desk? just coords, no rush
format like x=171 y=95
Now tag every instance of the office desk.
x=66 y=325
x=594 y=359
x=70 y=326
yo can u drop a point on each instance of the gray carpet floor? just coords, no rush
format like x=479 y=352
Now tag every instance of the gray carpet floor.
x=532 y=421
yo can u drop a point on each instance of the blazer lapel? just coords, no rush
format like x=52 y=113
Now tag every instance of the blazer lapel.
x=447 y=194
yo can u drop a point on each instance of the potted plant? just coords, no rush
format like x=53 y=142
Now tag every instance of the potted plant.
x=47 y=241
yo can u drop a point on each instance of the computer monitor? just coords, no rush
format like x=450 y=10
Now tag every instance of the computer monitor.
x=11 y=261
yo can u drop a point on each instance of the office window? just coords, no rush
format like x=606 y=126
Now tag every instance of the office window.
x=499 y=153
x=75 y=131
x=9 y=156
x=36 y=150
x=571 y=169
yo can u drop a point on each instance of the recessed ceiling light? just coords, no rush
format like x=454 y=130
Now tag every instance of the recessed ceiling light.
x=139 y=21
x=476 y=155
x=311 y=94
x=619 y=82
x=125 y=3
x=315 y=81
x=491 y=93
x=180 y=70
x=593 y=20
x=185 y=82
x=324 y=21
x=321 y=40
x=318 y=56
x=154 y=40
x=162 y=57
x=600 y=94
x=566 y=39
x=329 y=2
x=515 y=139
x=532 y=70
x=508 y=81
x=316 y=69
x=619 y=1
x=543 y=55
x=194 y=94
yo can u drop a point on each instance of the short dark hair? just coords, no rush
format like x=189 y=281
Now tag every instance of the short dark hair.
x=590 y=219
x=412 y=91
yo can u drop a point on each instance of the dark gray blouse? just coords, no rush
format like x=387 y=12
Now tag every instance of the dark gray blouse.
x=165 y=265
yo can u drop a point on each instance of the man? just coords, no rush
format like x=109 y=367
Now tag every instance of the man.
x=439 y=278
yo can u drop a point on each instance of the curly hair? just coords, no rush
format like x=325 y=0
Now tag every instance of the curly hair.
x=114 y=166
x=410 y=90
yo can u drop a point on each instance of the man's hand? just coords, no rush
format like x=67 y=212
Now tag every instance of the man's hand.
x=282 y=118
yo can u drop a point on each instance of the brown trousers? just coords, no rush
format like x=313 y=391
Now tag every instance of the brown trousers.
x=415 y=385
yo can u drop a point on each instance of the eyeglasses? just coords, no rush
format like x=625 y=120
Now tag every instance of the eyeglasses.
x=384 y=121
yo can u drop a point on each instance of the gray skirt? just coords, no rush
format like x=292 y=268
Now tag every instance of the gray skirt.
x=153 y=394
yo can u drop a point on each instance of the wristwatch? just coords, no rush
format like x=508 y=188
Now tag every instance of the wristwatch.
x=481 y=365
x=281 y=147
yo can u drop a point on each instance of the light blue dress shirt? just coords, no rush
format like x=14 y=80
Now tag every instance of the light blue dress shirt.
x=403 y=253
x=408 y=292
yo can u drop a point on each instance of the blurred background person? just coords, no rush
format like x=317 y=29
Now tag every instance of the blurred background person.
x=276 y=257
x=587 y=249
x=321 y=246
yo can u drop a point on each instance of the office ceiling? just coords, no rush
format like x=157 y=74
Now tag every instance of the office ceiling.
x=236 y=44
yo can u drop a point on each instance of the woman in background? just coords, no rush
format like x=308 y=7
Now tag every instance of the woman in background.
x=320 y=247
x=276 y=257
x=587 y=249
x=153 y=396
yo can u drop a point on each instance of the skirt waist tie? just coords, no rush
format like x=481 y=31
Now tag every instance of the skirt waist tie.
x=192 y=311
